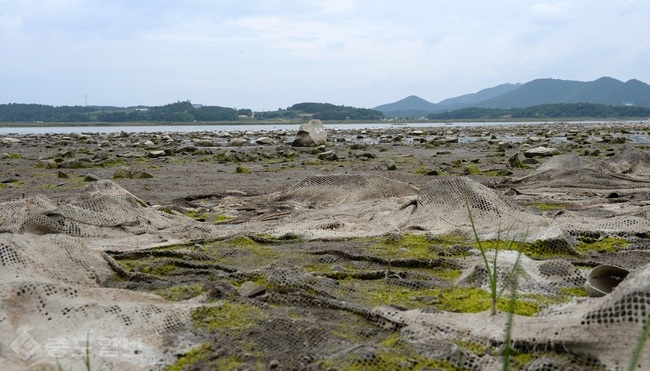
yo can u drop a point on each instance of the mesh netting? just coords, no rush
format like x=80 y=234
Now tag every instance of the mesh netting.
x=337 y=272
x=571 y=171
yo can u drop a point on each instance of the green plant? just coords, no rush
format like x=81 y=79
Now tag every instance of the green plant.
x=491 y=268
x=638 y=348
x=242 y=170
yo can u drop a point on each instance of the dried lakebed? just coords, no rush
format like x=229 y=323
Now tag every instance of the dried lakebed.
x=180 y=251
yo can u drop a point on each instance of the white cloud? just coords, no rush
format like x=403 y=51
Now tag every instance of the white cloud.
x=553 y=13
x=272 y=53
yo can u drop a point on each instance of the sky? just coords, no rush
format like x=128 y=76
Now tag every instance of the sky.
x=270 y=54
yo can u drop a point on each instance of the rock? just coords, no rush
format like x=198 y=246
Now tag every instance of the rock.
x=541 y=152
x=122 y=173
x=433 y=172
x=534 y=139
x=367 y=155
x=9 y=140
x=328 y=156
x=142 y=175
x=148 y=144
x=310 y=134
x=91 y=177
x=273 y=364
x=61 y=175
x=77 y=163
x=250 y=289
x=154 y=154
x=203 y=142
x=264 y=141
x=50 y=164
x=504 y=145
x=237 y=142
x=390 y=164
x=515 y=162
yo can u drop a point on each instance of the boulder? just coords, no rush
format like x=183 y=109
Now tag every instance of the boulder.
x=328 y=156
x=237 y=142
x=157 y=153
x=310 y=134
x=264 y=140
x=541 y=152
x=9 y=140
x=77 y=163
x=122 y=173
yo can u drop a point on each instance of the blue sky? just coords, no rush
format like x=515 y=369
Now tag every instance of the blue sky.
x=270 y=54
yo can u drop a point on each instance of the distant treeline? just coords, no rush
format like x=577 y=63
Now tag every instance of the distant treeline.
x=322 y=111
x=180 y=111
x=559 y=110
x=176 y=112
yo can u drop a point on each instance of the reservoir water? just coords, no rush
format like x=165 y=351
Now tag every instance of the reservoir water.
x=255 y=128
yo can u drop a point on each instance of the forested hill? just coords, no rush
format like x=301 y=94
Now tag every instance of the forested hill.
x=176 y=112
x=604 y=90
x=545 y=111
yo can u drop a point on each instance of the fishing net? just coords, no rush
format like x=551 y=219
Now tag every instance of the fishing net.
x=336 y=272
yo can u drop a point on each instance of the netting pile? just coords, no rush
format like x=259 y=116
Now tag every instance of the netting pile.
x=617 y=177
x=444 y=207
x=337 y=272
x=622 y=171
x=596 y=334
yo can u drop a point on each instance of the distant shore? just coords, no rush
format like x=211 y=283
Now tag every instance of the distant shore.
x=297 y=122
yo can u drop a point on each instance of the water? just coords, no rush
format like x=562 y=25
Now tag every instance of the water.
x=254 y=128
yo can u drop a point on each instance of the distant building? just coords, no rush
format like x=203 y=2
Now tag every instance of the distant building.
x=628 y=102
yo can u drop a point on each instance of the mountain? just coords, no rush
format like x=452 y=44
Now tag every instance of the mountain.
x=410 y=106
x=605 y=90
x=485 y=94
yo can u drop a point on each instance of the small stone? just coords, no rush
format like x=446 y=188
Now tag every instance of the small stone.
x=273 y=364
x=122 y=173
x=61 y=175
x=155 y=154
x=91 y=177
x=50 y=164
x=541 y=152
x=433 y=172
x=250 y=289
x=237 y=142
x=264 y=141
x=328 y=156
x=142 y=175
x=390 y=164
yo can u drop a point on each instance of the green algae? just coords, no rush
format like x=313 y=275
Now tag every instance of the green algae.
x=183 y=292
x=549 y=206
x=229 y=318
x=190 y=358
x=605 y=244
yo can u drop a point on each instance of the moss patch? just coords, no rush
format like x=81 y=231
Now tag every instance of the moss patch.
x=605 y=244
x=223 y=218
x=227 y=318
x=549 y=207
x=178 y=293
x=460 y=300
x=190 y=358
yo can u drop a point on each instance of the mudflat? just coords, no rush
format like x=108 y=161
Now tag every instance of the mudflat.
x=235 y=250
